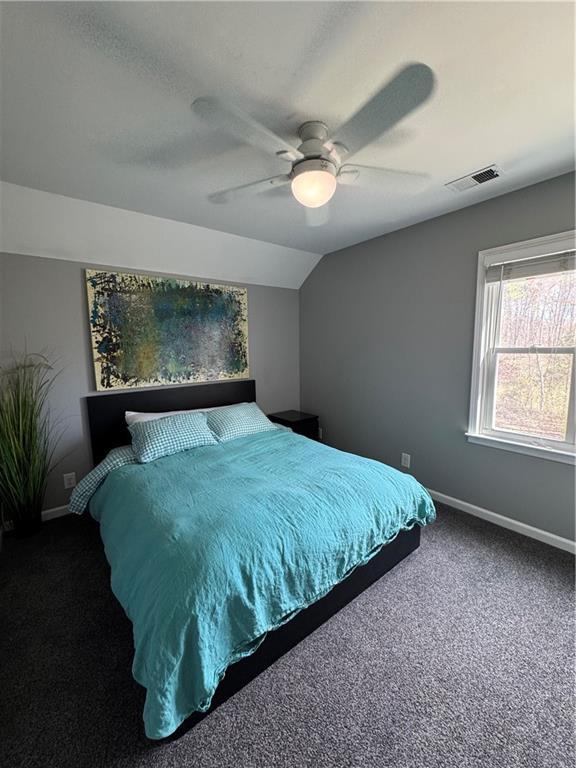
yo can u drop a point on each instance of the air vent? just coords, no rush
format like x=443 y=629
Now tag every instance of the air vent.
x=474 y=179
x=486 y=175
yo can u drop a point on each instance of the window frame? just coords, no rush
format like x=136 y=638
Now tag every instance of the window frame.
x=484 y=365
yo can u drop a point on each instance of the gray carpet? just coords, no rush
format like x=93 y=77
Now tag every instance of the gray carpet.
x=462 y=656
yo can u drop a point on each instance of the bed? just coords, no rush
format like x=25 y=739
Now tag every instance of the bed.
x=224 y=557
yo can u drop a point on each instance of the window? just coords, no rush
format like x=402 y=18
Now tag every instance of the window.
x=524 y=369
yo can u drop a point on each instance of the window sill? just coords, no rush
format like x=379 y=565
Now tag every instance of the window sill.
x=529 y=450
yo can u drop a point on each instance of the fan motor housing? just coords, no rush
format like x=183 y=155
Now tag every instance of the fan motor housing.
x=315 y=144
x=314 y=164
x=313 y=129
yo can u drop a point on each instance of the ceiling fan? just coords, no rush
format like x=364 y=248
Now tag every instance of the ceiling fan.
x=316 y=164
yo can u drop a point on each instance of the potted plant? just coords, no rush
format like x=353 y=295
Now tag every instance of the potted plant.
x=26 y=443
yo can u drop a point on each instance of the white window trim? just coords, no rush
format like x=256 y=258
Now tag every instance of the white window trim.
x=527 y=249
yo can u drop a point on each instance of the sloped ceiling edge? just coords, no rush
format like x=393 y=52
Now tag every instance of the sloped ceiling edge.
x=39 y=223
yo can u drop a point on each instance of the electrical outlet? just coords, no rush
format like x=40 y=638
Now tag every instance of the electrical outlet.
x=406 y=460
x=320 y=433
x=69 y=479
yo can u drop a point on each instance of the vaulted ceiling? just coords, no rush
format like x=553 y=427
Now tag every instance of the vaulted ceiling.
x=96 y=104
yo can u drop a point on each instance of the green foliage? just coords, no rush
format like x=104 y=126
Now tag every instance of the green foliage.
x=533 y=388
x=26 y=444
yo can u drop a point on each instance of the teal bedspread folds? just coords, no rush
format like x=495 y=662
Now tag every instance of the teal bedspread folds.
x=213 y=547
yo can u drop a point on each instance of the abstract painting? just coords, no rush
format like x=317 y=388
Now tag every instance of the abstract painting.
x=149 y=330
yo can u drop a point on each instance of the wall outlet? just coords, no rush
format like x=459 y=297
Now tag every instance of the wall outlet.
x=320 y=433
x=69 y=479
x=405 y=460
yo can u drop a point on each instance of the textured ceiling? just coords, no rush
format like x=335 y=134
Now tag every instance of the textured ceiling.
x=96 y=104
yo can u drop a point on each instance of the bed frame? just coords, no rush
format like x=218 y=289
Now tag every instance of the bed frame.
x=108 y=430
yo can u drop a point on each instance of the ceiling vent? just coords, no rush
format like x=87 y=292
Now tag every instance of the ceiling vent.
x=474 y=179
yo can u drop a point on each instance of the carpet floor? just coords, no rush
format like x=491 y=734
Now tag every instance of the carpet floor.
x=461 y=656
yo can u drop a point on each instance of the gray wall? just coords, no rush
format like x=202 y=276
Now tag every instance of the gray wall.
x=386 y=354
x=43 y=307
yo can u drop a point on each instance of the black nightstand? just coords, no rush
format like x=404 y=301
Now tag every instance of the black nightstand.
x=302 y=423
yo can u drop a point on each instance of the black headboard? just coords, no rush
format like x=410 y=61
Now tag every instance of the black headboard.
x=106 y=412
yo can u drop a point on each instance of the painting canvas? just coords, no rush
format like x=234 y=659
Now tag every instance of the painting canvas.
x=149 y=330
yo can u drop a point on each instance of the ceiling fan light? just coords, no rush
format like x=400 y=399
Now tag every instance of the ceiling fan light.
x=314 y=188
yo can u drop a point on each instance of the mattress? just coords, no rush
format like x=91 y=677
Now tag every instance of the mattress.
x=212 y=548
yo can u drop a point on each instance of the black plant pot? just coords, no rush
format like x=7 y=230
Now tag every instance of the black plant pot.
x=28 y=524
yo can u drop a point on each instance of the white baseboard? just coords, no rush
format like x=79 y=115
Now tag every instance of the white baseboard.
x=50 y=514
x=506 y=522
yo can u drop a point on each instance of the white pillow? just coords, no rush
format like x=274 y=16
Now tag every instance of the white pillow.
x=134 y=417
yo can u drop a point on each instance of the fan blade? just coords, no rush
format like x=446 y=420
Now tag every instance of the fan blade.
x=107 y=30
x=365 y=174
x=182 y=152
x=403 y=94
x=243 y=127
x=317 y=217
x=247 y=190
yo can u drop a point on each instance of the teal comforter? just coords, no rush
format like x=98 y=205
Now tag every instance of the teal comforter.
x=213 y=547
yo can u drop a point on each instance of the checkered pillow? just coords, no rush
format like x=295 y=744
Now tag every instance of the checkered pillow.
x=238 y=421
x=87 y=487
x=172 y=434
